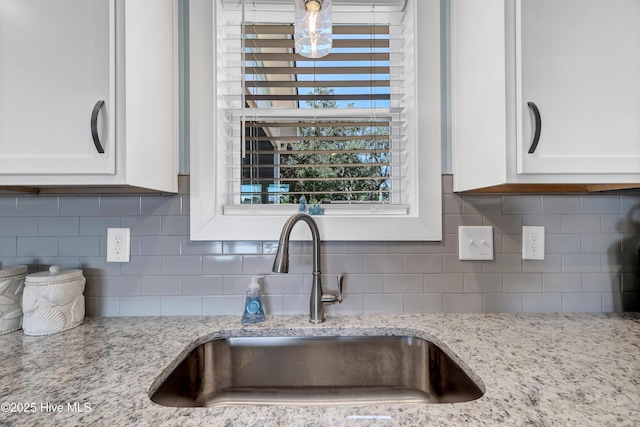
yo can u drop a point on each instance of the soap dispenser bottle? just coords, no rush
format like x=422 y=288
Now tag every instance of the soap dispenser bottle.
x=253 y=308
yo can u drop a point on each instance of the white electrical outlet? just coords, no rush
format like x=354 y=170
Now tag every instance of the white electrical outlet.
x=118 y=244
x=475 y=242
x=532 y=242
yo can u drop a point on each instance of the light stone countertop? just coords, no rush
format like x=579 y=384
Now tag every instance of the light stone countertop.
x=538 y=369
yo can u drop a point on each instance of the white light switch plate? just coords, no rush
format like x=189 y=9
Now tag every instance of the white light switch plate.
x=532 y=242
x=118 y=244
x=475 y=243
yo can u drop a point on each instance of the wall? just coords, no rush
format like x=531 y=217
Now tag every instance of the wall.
x=591 y=262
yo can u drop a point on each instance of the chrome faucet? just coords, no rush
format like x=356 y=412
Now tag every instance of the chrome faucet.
x=281 y=265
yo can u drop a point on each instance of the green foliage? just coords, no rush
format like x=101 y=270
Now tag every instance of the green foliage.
x=343 y=160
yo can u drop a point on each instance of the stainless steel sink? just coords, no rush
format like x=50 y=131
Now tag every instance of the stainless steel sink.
x=315 y=371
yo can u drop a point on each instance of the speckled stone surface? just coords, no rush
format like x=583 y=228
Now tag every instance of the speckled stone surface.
x=541 y=370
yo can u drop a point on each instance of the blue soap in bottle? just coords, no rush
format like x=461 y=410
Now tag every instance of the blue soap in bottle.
x=253 y=308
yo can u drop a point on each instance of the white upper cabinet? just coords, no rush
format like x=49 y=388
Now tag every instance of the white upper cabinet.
x=55 y=66
x=545 y=92
x=580 y=66
x=88 y=93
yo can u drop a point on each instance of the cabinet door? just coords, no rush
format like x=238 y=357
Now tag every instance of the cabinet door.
x=580 y=66
x=56 y=65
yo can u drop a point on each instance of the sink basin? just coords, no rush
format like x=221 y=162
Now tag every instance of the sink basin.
x=315 y=371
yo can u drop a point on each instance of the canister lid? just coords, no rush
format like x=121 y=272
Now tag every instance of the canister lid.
x=55 y=274
x=12 y=270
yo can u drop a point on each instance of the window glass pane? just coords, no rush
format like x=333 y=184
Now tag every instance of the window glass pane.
x=325 y=155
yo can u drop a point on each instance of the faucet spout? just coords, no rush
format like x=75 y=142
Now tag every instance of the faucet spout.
x=281 y=265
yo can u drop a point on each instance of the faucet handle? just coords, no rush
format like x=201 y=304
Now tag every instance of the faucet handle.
x=334 y=298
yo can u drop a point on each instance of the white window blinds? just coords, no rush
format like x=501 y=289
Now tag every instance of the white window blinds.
x=331 y=129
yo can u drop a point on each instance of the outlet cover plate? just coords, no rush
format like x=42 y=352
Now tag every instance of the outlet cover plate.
x=532 y=242
x=475 y=243
x=118 y=244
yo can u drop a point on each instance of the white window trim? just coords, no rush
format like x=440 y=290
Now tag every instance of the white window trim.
x=207 y=220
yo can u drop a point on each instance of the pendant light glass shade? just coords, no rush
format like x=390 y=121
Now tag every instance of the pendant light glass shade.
x=313 y=28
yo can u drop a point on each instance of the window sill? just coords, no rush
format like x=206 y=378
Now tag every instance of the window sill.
x=332 y=209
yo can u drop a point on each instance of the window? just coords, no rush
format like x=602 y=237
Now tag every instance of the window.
x=345 y=144
x=345 y=130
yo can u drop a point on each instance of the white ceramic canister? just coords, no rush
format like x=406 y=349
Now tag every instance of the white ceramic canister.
x=53 y=301
x=11 y=286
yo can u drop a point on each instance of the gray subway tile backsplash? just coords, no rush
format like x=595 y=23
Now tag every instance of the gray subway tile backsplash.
x=480 y=204
x=119 y=286
x=601 y=282
x=360 y=283
x=182 y=265
x=223 y=305
x=244 y=247
x=529 y=204
x=283 y=284
x=141 y=306
x=120 y=205
x=581 y=223
x=482 y=283
x=383 y=304
x=340 y=263
x=188 y=247
x=142 y=225
x=79 y=206
x=380 y=264
x=18 y=226
x=8 y=206
x=298 y=303
x=562 y=243
x=161 y=285
x=173 y=225
x=202 y=285
x=504 y=223
x=581 y=263
x=37 y=206
x=160 y=245
x=141 y=266
x=562 y=282
x=504 y=263
x=585 y=302
x=444 y=283
x=257 y=264
x=403 y=283
x=502 y=303
x=591 y=260
x=451 y=264
x=97 y=226
x=463 y=303
x=37 y=246
x=512 y=243
x=601 y=204
x=601 y=243
x=552 y=263
x=542 y=303
x=160 y=205
x=222 y=264
x=522 y=283
x=181 y=306
x=8 y=247
x=423 y=263
x=423 y=303
x=79 y=246
x=58 y=226
x=561 y=204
